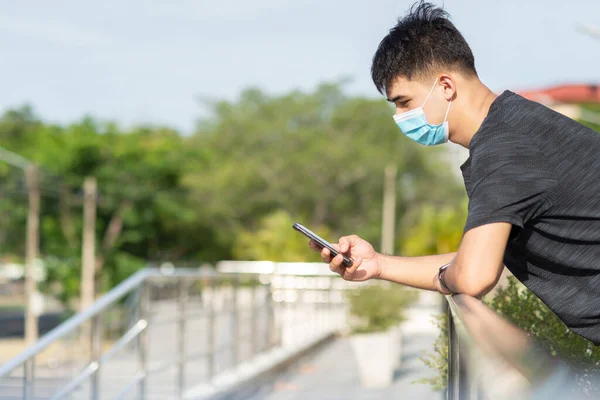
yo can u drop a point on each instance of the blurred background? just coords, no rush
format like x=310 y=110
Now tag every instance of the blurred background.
x=205 y=129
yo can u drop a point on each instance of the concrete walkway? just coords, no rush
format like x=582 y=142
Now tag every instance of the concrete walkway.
x=332 y=373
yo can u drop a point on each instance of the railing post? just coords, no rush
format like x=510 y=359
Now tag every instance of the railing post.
x=142 y=341
x=235 y=335
x=330 y=309
x=269 y=317
x=254 y=318
x=96 y=346
x=453 y=357
x=460 y=386
x=29 y=379
x=211 y=331
x=181 y=338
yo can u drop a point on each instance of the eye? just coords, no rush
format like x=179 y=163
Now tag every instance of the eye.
x=403 y=104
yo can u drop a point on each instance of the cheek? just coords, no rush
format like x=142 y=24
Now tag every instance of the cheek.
x=435 y=115
x=437 y=119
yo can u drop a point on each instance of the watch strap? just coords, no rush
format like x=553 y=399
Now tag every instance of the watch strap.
x=441 y=278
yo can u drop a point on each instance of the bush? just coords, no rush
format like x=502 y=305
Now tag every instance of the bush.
x=275 y=240
x=522 y=308
x=376 y=308
x=438 y=358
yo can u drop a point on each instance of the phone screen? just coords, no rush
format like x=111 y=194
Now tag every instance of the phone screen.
x=321 y=242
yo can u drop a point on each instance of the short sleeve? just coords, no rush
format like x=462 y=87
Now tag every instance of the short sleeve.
x=511 y=182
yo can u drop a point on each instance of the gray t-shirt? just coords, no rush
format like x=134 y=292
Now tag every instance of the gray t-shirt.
x=540 y=171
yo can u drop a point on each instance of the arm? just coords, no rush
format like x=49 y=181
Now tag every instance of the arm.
x=368 y=264
x=474 y=270
x=413 y=271
x=479 y=262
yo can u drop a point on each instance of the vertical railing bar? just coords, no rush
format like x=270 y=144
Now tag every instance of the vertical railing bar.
x=288 y=309
x=144 y=314
x=269 y=316
x=211 y=331
x=96 y=347
x=33 y=379
x=453 y=374
x=319 y=308
x=262 y=318
x=236 y=323
x=254 y=320
x=299 y=314
x=313 y=307
x=277 y=313
x=464 y=379
x=331 y=308
x=181 y=344
x=28 y=379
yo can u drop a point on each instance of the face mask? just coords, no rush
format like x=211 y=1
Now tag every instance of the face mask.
x=414 y=124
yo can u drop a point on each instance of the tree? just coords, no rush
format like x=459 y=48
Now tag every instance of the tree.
x=232 y=190
x=319 y=156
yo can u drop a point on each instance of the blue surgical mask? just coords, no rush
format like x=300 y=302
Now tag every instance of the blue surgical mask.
x=414 y=124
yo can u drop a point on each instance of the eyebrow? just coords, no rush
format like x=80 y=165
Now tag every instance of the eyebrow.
x=397 y=98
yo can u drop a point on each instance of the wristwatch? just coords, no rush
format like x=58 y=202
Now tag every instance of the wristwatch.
x=441 y=277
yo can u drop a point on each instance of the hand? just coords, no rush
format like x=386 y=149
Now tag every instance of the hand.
x=365 y=261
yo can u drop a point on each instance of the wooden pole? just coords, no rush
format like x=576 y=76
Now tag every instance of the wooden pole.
x=33 y=242
x=389 y=210
x=89 y=243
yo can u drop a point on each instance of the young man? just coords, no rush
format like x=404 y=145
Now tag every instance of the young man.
x=532 y=178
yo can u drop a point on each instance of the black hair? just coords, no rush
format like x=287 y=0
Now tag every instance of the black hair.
x=421 y=42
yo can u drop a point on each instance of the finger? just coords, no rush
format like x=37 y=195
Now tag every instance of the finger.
x=344 y=244
x=354 y=240
x=325 y=255
x=355 y=264
x=347 y=242
x=336 y=264
x=314 y=246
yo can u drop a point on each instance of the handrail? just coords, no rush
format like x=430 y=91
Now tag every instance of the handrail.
x=488 y=357
x=93 y=367
x=157 y=298
x=96 y=308
x=75 y=321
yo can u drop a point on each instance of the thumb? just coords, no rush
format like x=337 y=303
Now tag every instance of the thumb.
x=354 y=240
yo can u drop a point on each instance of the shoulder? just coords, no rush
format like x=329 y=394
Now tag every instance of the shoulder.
x=509 y=157
x=500 y=142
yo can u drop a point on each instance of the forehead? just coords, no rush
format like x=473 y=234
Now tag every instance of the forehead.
x=402 y=86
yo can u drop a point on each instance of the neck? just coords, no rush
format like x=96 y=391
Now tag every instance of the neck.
x=476 y=103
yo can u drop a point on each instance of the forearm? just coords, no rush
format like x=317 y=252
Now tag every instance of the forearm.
x=416 y=272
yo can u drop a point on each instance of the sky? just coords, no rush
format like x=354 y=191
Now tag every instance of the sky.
x=140 y=61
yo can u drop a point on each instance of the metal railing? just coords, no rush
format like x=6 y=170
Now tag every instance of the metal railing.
x=489 y=358
x=179 y=327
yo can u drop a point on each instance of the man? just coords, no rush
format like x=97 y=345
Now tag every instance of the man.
x=532 y=178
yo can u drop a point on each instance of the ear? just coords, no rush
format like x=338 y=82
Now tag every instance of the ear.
x=449 y=86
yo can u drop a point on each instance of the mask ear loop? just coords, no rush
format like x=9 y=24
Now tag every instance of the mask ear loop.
x=447 y=111
x=431 y=91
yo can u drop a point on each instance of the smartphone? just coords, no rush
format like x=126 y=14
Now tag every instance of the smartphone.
x=321 y=242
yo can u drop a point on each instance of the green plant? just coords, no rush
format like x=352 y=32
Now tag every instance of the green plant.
x=275 y=240
x=438 y=358
x=376 y=308
x=522 y=308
